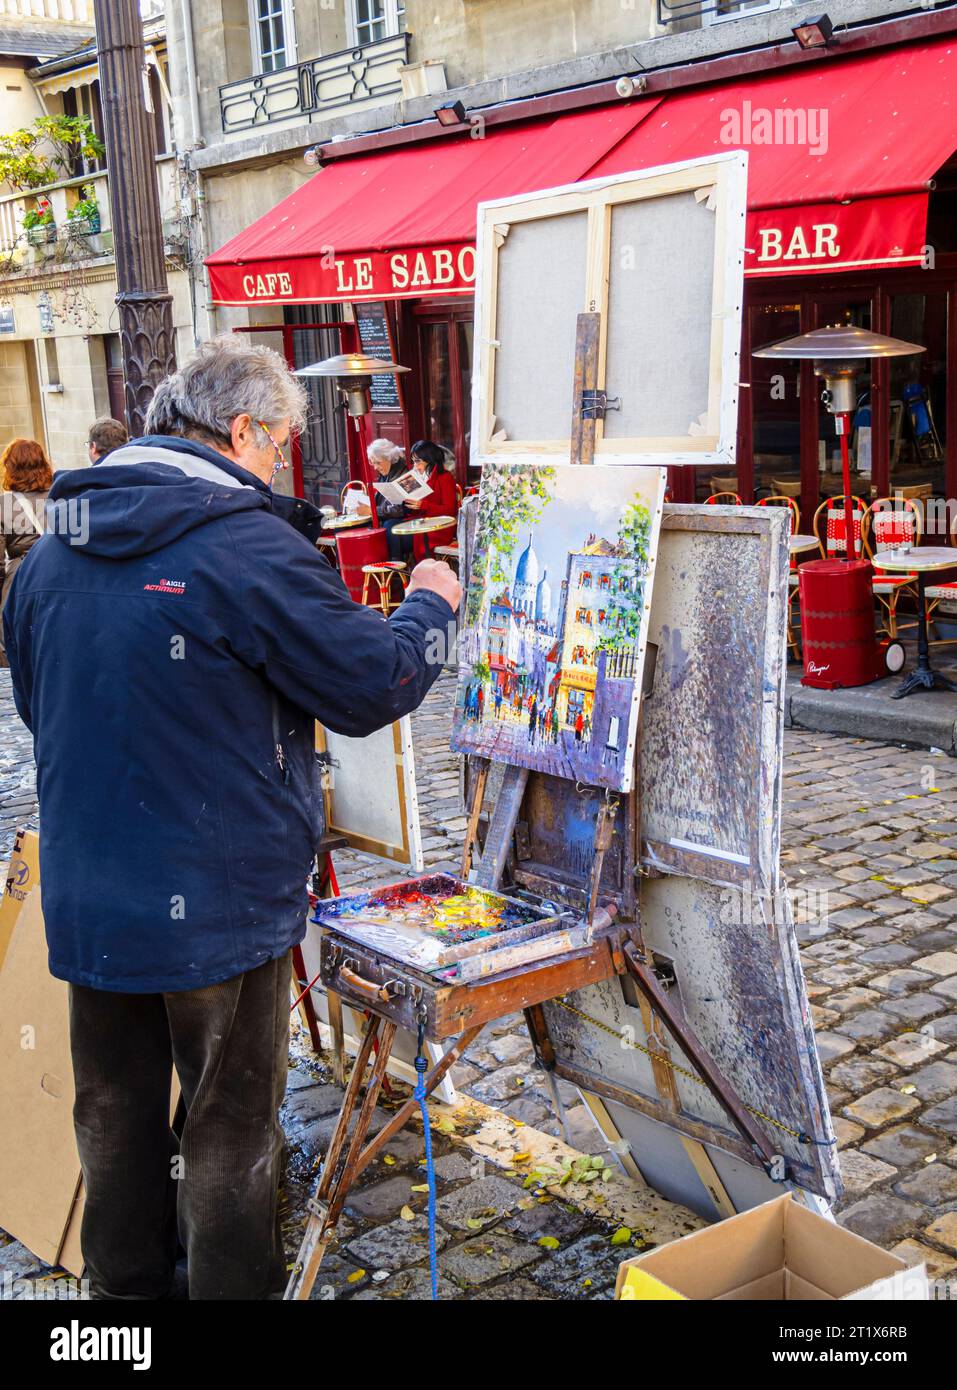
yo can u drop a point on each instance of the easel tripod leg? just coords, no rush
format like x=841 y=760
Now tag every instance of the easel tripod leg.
x=318 y=1227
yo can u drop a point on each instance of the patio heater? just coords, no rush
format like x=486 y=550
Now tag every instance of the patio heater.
x=840 y=648
x=836 y=354
x=353 y=373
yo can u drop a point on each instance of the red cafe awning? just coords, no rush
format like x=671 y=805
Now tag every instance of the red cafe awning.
x=840 y=156
x=401 y=224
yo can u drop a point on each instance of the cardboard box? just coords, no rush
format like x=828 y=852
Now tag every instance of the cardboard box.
x=23 y=875
x=778 y=1251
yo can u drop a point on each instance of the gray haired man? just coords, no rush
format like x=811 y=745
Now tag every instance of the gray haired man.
x=171 y=669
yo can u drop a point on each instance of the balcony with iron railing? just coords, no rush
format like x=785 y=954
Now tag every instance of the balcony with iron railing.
x=71 y=222
x=362 y=76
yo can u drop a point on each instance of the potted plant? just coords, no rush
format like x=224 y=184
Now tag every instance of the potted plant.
x=84 y=217
x=38 y=223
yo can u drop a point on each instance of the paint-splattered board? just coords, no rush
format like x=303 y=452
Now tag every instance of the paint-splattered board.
x=712 y=730
x=739 y=982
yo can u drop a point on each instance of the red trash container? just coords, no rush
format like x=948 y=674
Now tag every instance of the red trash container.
x=366 y=545
x=837 y=624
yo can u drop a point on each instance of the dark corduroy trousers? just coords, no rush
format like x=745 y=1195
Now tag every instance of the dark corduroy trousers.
x=215 y=1189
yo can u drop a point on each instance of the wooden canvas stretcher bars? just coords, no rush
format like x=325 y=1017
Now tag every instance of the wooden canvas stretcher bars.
x=659 y=256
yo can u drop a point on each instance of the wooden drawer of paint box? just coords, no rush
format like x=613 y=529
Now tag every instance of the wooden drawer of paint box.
x=368 y=980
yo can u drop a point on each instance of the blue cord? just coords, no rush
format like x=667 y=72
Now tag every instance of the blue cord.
x=421 y=1066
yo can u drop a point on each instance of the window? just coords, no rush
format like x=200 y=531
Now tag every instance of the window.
x=85 y=101
x=159 y=85
x=373 y=20
x=733 y=9
x=52 y=363
x=274 y=43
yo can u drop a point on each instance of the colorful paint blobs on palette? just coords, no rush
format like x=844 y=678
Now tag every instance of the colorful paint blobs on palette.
x=432 y=922
x=556 y=616
x=451 y=912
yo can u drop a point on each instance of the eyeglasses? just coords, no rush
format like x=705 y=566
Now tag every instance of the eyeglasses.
x=281 y=460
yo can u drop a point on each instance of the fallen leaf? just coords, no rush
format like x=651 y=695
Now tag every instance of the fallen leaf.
x=420 y=1187
x=407 y=1214
x=388 y=1160
x=474 y=1224
x=548 y=1242
x=622 y=1236
x=355 y=1276
x=521 y=1158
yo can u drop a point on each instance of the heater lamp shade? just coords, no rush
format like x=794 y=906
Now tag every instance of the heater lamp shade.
x=842 y=343
x=351 y=364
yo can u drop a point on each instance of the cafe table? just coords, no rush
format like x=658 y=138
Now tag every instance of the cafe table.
x=422 y=526
x=343 y=522
x=798 y=544
x=922 y=560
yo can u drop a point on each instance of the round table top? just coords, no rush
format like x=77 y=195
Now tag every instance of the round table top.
x=339 y=523
x=924 y=557
x=423 y=523
x=798 y=543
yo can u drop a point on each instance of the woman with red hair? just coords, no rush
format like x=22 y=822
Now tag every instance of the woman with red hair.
x=25 y=478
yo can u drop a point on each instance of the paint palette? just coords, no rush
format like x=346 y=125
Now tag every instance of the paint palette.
x=443 y=925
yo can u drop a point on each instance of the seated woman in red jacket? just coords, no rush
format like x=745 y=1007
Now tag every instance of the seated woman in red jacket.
x=428 y=460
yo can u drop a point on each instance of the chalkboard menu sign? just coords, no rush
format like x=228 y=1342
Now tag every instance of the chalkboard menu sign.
x=372 y=322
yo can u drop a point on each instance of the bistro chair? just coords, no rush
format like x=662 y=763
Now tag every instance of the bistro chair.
x=936 y=594
x=786 y=487
x=830 y=529
x=724 y=485
x=889 y=523
x=918 y=491
x=353 y=486
x=794 y=593
x=450 y=553
x=327 y=544
x=723 y=499
x=382 y=575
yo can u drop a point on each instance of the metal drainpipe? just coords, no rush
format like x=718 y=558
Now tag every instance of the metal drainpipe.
x=196 y=139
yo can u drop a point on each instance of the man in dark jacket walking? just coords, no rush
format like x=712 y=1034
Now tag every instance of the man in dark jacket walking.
x=172 y=640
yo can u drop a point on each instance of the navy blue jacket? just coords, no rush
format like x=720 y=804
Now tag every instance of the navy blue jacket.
x=172 y=642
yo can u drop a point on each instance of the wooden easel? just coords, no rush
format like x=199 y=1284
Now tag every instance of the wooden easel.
x=326 y=1206
x=338 y=1173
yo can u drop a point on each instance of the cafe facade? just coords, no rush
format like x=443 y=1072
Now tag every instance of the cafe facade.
x=852 y=219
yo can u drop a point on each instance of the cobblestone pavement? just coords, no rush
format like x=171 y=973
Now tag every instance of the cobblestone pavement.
x=870 y=848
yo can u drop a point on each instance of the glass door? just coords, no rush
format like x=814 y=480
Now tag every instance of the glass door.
x=445 y=354
x=776 y=404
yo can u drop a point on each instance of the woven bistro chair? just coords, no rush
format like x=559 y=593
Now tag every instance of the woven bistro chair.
x=723 y=499
x=936 y=594
x=786 y=487
x=382 y=575
x=794 y=593
x=889 y=523
x=830 y=529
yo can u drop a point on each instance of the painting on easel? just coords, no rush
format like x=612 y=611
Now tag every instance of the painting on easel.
x=556 y=616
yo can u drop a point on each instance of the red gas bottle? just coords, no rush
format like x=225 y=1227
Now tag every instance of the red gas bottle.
x=837 y=626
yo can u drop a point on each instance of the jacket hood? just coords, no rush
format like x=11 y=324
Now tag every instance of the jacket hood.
x=146 y=495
